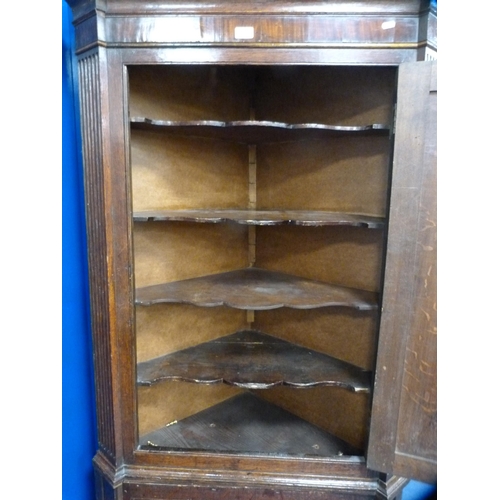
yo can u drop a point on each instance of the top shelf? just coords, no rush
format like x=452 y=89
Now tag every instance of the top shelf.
x=254 y=132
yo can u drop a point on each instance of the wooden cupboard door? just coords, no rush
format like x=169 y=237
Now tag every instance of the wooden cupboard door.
x=404 y=412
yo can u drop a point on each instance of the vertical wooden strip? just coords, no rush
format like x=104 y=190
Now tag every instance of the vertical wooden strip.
x=252 y=240
x=252 y=204
x=96 y=238
x=252 y=176
x=417 y=425
x=407 y=270
x=252 y=200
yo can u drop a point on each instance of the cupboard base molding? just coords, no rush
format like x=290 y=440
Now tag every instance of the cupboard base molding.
x=148 y=482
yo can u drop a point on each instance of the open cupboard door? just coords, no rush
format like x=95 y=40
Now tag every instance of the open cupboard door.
x=404 y=416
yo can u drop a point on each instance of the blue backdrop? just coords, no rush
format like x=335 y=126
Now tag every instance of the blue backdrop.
x=78 y=418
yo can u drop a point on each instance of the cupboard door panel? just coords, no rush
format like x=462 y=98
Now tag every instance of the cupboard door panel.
x=404 y=418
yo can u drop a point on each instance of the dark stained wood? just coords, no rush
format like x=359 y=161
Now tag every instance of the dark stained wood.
x=111 y=35
x=255 y=132
x=231 y=476
x=119 y=255
x=256 y=289
x=263 y=217
x=247 y=424
x=416 y=451
x=403 y=427
x=254 y=360
x=246 y=53
x=143 y=7
x=93 y=156
x=257 y=492
x=361 y=26
x=343 y=491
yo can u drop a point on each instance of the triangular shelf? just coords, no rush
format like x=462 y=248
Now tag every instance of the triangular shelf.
x=263 y=217
x=256 y=289
x=254 y=132
x=254 y=360
x=247 y=424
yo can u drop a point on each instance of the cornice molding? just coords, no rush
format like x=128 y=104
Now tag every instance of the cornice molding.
x=81 y=8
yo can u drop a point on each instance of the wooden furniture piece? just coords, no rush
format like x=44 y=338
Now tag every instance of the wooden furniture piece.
x=261 y=218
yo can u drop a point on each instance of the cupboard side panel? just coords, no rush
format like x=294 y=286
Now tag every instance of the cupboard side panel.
x=402 y=434
x=91 y=109
x=103 y=84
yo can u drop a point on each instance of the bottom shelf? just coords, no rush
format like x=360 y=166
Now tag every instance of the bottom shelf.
x=247 y=424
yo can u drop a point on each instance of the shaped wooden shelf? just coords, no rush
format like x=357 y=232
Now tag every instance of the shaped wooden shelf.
x=253 y=360
x=254 y=132
x=256 y=289
x=248 y=424
x=263 y=217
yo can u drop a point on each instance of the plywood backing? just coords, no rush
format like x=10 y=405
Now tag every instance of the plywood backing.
x=189 y=92
x=340 y=332
x=342 y=413
x=335 y=95
x=342 y=255
x=165 y=402
x=332 y=95
x=180 y=172
x=341 y=174
x=165 y=252
x=165 y=328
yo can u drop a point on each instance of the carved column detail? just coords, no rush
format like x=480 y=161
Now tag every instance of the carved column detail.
x=90 y=105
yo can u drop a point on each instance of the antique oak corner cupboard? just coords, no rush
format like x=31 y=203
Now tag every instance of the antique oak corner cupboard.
x=261 y=216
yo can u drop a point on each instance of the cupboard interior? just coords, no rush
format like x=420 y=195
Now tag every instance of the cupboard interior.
x=283 y=169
